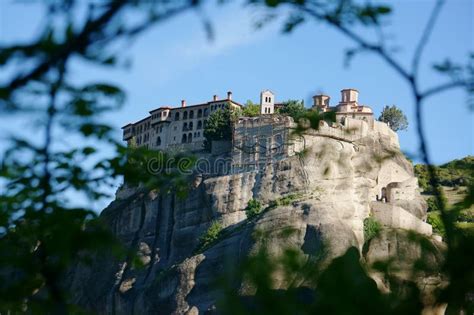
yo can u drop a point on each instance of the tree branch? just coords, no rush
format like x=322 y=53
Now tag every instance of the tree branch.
x=78 y=43
x=442 y=88
x=361 y=41
x=426 y=35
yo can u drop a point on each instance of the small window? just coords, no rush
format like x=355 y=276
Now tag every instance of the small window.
x=185 y=115
x=176 y=116
x=191 y=114
x=199 y=125
x=199 y=113
x=184 y=138
x=190 y=137
x=158 y=141
x=191 y=125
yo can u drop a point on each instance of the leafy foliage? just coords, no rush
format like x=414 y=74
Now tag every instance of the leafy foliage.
x=433 y=204
x=394 y=117
x=251 y=109
x=211 y=235
x=43 y=230
x=286 y=200
x=455 y=173
x=436 y=222
x=293 y=108
x=218 y=127
x=253 y=208
x=371 y=228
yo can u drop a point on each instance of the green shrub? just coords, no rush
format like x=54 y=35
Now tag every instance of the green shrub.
x=211 y=235
x=435 y=220
x=371 y=228
x=285 y=201
x=253 y=208
x=433 y=204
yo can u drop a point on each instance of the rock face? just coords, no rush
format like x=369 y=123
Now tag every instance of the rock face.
x=337 y=181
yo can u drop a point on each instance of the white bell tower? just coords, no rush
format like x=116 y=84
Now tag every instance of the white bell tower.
x=267 y=102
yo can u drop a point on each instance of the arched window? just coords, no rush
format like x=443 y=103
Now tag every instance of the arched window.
x=176 y=116
x=206 y=112
x=199 y=113
x=191 y=125
x=191 y=114
x=185 y=126
x=190 y=137
x=185 y=115
x=158 y=141
x=199 y=125
x=184 y=138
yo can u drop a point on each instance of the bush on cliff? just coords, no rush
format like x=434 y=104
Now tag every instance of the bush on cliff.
x=371 y=228
x=211 y=235
x=253 y=208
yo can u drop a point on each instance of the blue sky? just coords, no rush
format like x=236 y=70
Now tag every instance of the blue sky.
x=175 y=61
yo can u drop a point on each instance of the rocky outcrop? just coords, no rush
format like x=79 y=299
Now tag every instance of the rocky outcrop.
x=333 y=183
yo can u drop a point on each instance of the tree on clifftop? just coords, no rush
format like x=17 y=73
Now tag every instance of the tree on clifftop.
x=251 y=109
x=394 y=117
x=218 y=127
x=293 y=108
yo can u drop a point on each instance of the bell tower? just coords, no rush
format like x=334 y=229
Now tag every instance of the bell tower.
x=267 y=102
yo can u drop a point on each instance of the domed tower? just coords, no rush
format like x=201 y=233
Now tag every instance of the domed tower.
x=349 y=100
x=267 y=102
x=321 y=102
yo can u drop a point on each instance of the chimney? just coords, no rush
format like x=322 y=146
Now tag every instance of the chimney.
x=183 y=103
x=214 y=98
x=229 y=95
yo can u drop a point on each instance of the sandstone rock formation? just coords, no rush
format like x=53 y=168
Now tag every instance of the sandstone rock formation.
x=337 y=182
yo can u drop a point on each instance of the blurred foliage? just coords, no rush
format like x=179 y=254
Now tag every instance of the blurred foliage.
x=433 y=203
x=437 y=223
x=43 y=233
x=394 y=117
x=294 y=283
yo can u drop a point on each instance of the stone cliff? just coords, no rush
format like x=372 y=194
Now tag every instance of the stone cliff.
x=337 y=182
